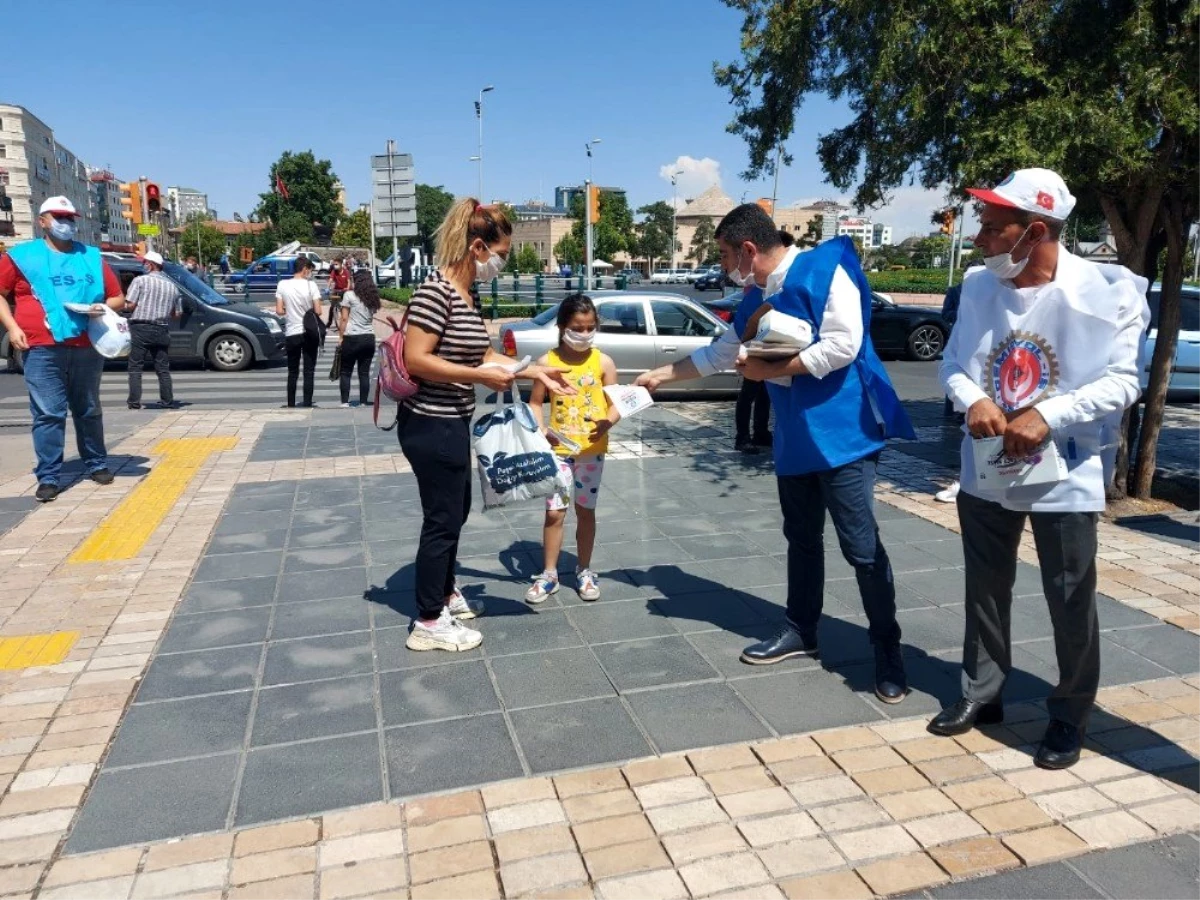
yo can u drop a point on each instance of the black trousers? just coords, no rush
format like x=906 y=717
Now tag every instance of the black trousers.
x=299 y=346
x=357 y=350
x=1066 y=548
x=439 y=451
x=150 y=341
x=848 y=492
x=752 y=397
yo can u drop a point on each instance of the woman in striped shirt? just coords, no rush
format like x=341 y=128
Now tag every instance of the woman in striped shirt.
x=445 y=348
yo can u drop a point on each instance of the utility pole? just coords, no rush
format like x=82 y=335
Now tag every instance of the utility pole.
x=674 y=212
x=145 y=211
x=587 y=231
x=775 y=190
x=479 y=116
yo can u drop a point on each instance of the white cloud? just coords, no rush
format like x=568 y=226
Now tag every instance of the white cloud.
x=696 y=176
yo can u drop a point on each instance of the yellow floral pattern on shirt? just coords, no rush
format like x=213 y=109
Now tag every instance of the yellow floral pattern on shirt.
x=574 y=416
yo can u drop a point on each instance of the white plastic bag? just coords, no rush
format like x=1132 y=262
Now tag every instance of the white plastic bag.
x=109 y=334
x=515 y=461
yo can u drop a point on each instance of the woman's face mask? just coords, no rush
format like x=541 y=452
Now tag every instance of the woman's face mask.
x=490 y=268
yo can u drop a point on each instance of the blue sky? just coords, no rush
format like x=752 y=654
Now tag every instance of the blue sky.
x=224 y=89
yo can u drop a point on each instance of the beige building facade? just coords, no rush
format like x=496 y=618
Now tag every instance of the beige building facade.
x=543 y=235
x=33 y=167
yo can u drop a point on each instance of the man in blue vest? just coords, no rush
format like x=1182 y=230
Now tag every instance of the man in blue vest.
x=831 y=420
x=62 y=369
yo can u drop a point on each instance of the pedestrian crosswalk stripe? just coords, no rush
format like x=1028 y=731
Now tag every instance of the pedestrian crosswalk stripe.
x=127 y=528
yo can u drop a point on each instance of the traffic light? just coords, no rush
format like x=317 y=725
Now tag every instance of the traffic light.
x=153 y=199
x=593 y=204
x=948 y=222
x=131 y=202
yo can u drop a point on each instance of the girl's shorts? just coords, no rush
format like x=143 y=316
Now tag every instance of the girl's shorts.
x=585 y=473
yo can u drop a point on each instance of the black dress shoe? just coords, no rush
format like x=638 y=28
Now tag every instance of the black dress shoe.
x=744 y=445
x=1060 y=746
x=45 y=492
x=134 y=405
x=785 y=645
x=101 y=476
x=965 y=715
x=763 y=440
x=891 y=684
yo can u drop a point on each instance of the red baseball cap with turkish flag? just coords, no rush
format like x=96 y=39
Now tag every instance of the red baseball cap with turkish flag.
x=1038 y=191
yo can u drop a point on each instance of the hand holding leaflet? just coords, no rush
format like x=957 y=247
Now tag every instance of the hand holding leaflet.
x=628 y=398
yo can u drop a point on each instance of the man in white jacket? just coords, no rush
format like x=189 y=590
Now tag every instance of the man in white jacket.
x=1046 y=347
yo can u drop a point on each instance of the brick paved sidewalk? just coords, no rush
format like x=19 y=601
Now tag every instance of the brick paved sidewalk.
x=697 y=833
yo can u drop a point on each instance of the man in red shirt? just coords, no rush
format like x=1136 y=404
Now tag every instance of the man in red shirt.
x=50 y=280
x=339 y=283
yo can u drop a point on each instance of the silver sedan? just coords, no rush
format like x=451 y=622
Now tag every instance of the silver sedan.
x=640 y=331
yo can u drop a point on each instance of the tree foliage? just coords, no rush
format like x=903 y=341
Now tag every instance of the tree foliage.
x=201 y=240
x=311 y=196
x=353 y=230
x=614 y=232
x=704 y=244
x=961 y=92
x=569 y=249
x=433 y=202
x=654 y=231
x=812 y=234
x=525 y=260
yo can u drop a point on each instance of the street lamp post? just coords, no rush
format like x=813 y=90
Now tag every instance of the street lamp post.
x=479 y=115
x=674 y=213
x=587 y=218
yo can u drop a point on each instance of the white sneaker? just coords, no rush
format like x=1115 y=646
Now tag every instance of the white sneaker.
x=462 y=608
x=949 y=495
x=447 y=633
x=345 y=406
x=543 y=586
x=587 y=584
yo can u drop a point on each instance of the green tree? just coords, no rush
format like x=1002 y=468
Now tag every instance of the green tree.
x=353 y=230
x=569 y=249
x=928 y=249
x=654 y=232
x=812 y=234
x=614 y=232
x=525 y=260
x=704 y=244
x=433 y=203
x=1103 y=91
x=311 y=197
x=201 y=240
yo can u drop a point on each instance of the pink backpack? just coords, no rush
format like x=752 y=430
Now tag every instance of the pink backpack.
x=393 y=380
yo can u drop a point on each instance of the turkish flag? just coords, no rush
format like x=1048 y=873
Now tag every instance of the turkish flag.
x=280 y=187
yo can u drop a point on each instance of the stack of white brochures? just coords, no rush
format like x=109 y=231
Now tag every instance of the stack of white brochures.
x=996 y=471
x=779 y=336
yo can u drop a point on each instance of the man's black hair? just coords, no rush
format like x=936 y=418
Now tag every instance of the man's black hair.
x=749 y=222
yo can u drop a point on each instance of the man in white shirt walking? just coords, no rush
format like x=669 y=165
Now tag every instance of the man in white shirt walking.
x=1046 y=347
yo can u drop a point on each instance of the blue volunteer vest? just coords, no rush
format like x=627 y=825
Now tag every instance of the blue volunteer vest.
x=57 y=278
x=824 y=423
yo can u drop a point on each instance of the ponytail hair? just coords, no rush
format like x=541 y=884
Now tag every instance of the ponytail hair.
x=467 y=220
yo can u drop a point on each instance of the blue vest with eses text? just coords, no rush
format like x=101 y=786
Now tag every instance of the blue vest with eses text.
x=823 y=423
x=58 y=278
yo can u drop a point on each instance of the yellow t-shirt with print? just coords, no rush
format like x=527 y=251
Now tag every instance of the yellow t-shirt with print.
x=573 y=416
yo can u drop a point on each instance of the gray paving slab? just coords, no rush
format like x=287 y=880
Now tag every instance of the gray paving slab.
x=301 y=680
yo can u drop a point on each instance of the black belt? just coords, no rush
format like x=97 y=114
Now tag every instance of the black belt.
x=162 y=322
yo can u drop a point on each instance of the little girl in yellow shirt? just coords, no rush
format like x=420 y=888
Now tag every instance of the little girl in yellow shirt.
x=584 y=419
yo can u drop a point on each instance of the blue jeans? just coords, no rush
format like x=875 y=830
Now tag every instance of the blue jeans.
x=63 y=379
x=848 y=492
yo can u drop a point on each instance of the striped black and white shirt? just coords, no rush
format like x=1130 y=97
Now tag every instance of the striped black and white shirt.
x=439 y=309
x=156 y=297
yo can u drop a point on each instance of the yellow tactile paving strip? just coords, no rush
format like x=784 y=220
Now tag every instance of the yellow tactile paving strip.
x=125 y=531
x=27 y=650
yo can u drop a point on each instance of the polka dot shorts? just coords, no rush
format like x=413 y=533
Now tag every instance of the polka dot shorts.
x=585 y=473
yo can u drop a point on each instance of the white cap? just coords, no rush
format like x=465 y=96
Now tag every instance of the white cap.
x=59 y=206
x=152 y=256
x=1038 y=191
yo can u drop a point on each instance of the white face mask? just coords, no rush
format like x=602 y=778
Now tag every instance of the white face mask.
x=62 y=229
x=1003 y=266
x=735 y=275
x=579 y=340
x=486 y=271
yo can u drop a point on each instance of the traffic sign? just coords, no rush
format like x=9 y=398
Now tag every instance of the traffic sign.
x=393 y=194
x=149 y=230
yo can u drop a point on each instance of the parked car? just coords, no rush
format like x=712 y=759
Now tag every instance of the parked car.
x=712 y=279
x=631 y=276
x=661 y=276
x=918 y=332
x=226 y=334
x=639 y=331
x=1185 y=371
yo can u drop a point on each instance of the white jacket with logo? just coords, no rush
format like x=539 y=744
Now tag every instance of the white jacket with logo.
x=1071 y=349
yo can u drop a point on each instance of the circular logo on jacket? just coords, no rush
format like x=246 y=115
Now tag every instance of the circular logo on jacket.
x=1021 y=371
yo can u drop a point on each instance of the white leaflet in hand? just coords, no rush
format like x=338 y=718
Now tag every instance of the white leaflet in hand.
x=95 y=310
x=996 y=471
x=629 y=398
x=510 y=368
x=566 y=442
